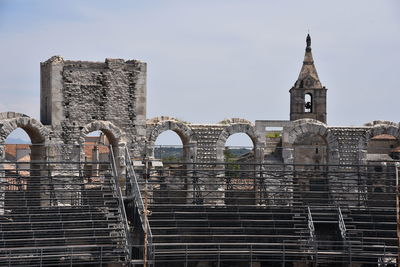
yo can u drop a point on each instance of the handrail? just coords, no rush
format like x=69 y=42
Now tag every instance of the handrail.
x=124 y=218
x=137 y=197
x=289 y=249
x=311 y=225
x=342 y=225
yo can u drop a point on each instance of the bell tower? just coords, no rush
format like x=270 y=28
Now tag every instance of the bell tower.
x=308 y=96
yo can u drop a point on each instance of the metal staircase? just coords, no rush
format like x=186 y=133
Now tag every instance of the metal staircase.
x=54 y=215
x=142 y=238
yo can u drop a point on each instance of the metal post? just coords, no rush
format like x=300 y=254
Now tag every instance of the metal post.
x=101 y=256
x=145 y=211
x=283 y=254
x=397 y=214
x=359 y=185
x=70 y=256
x=251 y=255
x=186 y=255
x=219 y=255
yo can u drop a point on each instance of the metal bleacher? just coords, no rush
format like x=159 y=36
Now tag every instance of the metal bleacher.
x=179 y=214
x=55 y=214
x=269 y=214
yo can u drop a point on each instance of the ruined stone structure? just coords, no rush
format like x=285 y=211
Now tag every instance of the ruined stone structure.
x=80 y=97
x=307 y=157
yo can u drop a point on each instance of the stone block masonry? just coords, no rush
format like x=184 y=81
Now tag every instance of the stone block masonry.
x=78 y=97
x=75 y=94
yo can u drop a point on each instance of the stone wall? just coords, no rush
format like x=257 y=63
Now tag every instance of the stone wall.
x=78 y=97
x=348 y=143
x=109 y=96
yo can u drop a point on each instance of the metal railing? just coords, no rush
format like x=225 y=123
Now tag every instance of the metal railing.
x=342 y=225
x=311 y=225
x=281 y=183
x=118 y=193
x=56 y=214
x=134 y=193
x=194 y=202
x=286 y=252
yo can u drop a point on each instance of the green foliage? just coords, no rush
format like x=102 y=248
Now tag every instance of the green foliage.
x=171 y=158
x=231 y=157
x=168 y=154
x=182 y=121
x=225 y=122
x=273 y=135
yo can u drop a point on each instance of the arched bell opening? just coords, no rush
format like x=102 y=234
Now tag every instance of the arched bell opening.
x=308 y=103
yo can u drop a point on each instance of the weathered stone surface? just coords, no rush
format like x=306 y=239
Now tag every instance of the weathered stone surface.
x=78 y=97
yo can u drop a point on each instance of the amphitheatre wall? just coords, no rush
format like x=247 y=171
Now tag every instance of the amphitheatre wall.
x=78 y=97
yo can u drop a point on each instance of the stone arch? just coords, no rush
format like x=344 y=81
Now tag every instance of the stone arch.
x=304 y=127
x=36 y=131
x=113 y=133
x=246 y=128
x=377 y=128
x=115 y=137
x=11 y=115
x=185 y=133
x=235 y=120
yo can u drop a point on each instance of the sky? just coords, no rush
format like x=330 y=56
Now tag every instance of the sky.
x=209 y=60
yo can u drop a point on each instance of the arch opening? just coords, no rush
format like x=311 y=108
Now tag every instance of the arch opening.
x=308 y=103
x=109 y=133
x=18 y=149
x=310 y=157
x=170 y=147
x=187 y=139
x=239 y=176
x=239 y=148
x=96 y=150
x=25 y=153
x=310 y=151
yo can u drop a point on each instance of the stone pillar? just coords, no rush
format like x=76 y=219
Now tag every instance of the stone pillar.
x=288 y=155
x=95 y=158
x=258 y=175
x=191 y=157
x=121 y=166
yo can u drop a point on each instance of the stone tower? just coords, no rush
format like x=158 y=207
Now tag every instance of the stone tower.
x=308 y=96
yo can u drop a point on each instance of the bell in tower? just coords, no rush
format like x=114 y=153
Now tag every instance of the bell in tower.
x=308 y=96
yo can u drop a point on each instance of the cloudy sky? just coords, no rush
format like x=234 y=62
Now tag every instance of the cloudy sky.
x=209 y=60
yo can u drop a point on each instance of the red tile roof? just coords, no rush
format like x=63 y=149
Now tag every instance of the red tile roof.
x=384 y=137
x=11 y=149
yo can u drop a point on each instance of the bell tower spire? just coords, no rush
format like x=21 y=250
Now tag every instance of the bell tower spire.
x=308 y=96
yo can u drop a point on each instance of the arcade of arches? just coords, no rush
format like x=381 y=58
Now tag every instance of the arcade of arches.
x=79 y=98
x=303 y=142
